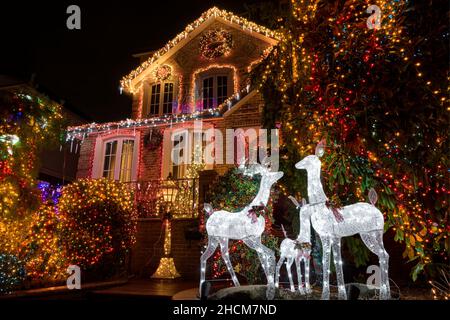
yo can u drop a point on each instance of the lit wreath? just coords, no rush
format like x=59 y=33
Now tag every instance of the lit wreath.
x=163 y=72
x=215 y=43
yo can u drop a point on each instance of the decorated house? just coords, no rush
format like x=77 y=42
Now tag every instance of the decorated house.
x=200 y=76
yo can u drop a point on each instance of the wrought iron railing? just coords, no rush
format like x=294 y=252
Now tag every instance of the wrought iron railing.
x=155 y=197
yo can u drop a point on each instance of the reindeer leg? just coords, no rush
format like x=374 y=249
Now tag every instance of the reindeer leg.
x=374 y=241
x=342 y=294
x=277 y=274
x=226 y=258
x=212 y=245
x=267 y=258
x=306 y=261
x=289 y=262
x=326 y=248
x=298 y=261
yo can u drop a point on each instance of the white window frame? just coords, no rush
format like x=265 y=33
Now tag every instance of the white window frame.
x=219 y=73
x=149 y=88
x=99 y=155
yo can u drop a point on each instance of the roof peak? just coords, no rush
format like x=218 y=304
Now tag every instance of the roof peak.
x=129 y=80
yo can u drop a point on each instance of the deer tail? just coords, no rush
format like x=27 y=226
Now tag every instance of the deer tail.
x=208 y=208
x=284 y=231
x=373 y=196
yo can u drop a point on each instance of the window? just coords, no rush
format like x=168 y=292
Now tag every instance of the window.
x=154 y=101
x=214 y=91
x=110 y=159
x=160 y=102
x=208 y=93
x=168 y=98
x=118 y=159
x=222 y=92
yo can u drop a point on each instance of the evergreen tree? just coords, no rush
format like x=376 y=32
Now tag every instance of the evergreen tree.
x=379 y=98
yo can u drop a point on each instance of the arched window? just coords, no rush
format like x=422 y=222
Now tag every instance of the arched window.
x=119 y=159
x=215 y=90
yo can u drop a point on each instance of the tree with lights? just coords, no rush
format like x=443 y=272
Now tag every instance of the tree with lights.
x=27 y=121
x=377 y=92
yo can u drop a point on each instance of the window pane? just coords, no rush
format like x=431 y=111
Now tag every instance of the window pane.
x=222 y=89
x=154 y=100
x=208 y=93
x=168 y=98
x=110 y=159
x=126 y=160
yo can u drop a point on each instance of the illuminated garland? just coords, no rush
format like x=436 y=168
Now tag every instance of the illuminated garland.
x=215 y=43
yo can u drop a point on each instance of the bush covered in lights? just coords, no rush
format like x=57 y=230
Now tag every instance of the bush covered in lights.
x=98 y=221
x=41 y=250
x=12 y=272
x=232 y=192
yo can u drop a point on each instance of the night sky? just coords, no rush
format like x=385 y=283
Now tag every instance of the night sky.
x=83 y=67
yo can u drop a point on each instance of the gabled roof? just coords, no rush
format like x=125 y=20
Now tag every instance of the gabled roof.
x=192 y=30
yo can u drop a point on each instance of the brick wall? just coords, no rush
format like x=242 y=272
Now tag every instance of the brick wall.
x=150 y=161
x=86 y=157
x=148 y=249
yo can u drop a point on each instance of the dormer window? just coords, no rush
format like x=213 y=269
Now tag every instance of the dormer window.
x=214 y=91
x=160 y=101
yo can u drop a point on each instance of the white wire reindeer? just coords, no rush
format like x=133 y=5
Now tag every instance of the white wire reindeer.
x=297 y=250
x=332 y=225
x=242 y=225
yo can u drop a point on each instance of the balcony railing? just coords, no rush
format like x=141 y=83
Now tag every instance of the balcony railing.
x=151 y=198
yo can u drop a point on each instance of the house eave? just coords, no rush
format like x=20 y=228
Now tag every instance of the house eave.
x=130 y=82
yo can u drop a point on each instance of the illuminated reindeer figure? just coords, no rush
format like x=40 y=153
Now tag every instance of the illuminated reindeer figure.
x=332 y=224
x=297 y=250
x=242 y=225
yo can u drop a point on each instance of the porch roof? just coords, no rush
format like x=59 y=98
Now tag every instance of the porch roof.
x=227 y=107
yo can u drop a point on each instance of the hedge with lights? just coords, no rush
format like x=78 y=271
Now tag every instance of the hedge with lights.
x=98 y=220
x=232 y=192
x=41 y=250
x=380 y=98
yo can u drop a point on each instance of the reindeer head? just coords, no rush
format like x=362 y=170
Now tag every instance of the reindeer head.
x=264 y=170
x=312 y=161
